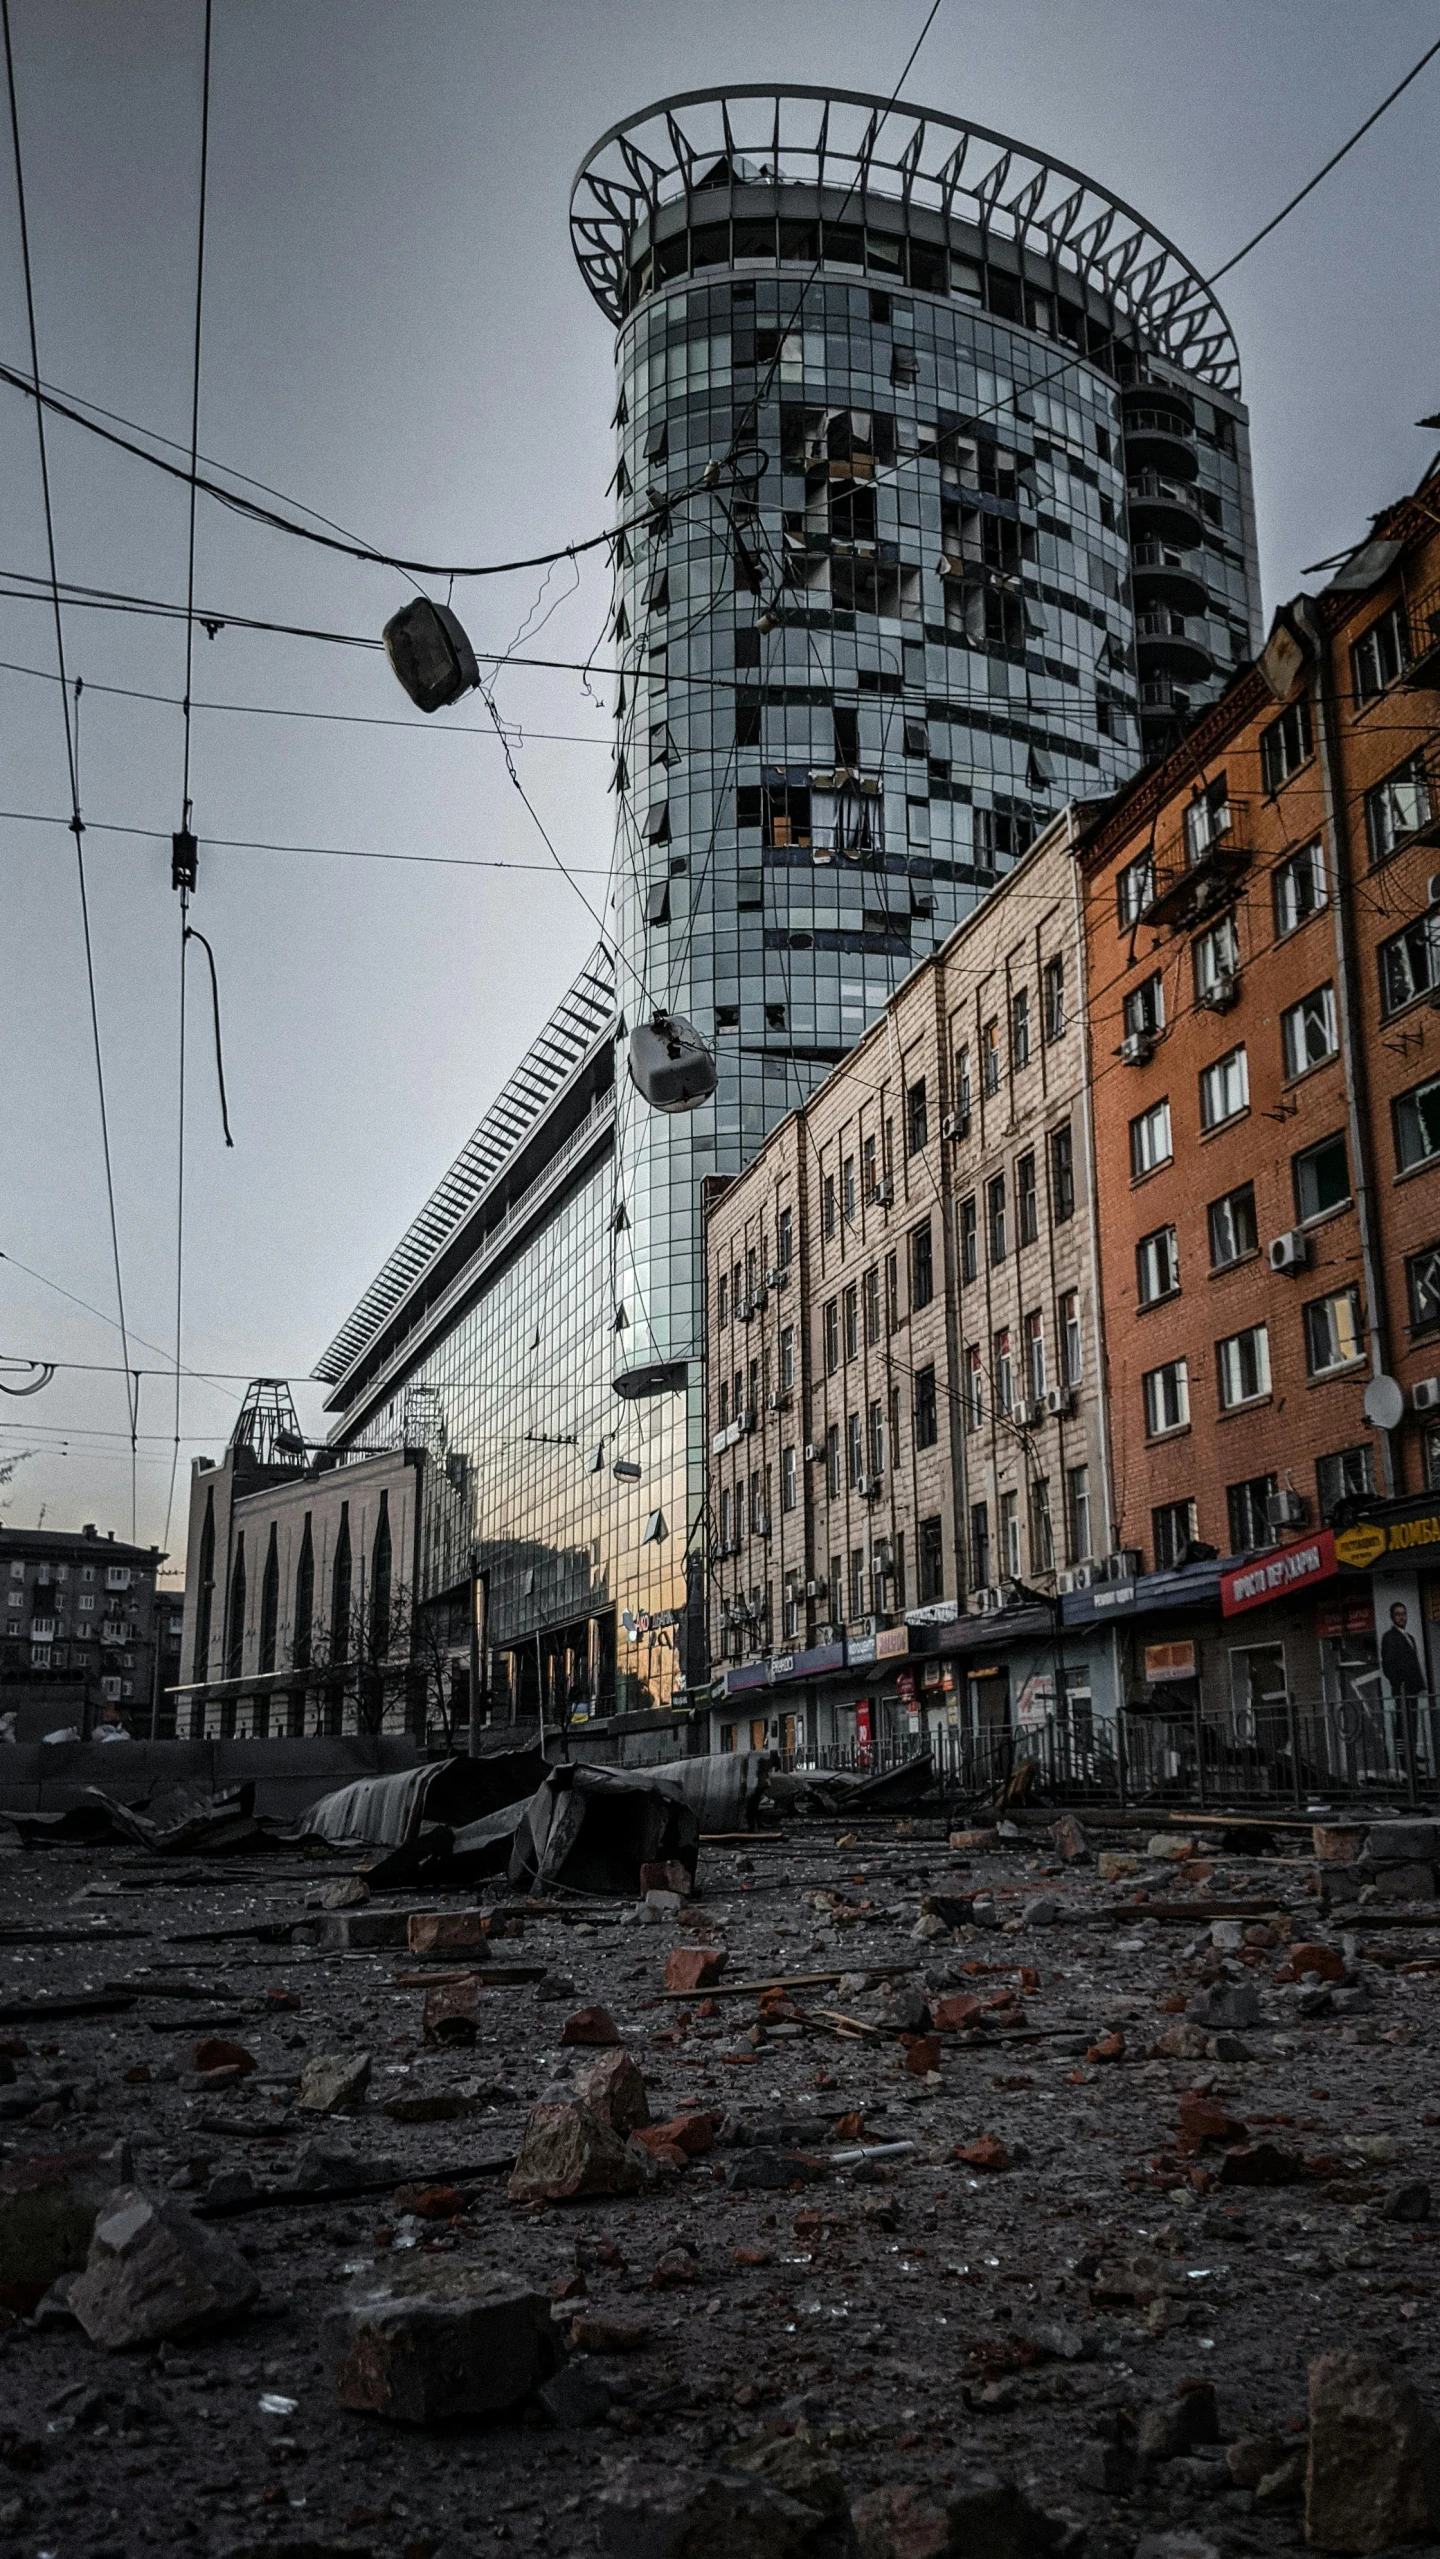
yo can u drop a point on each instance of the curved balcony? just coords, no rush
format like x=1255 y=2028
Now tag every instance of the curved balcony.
x=1162 y=509
x=1159 y=580
x=1159 y=440
x=1167 y=646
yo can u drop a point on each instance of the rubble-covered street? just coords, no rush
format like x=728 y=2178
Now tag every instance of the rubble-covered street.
x=1060 y=2159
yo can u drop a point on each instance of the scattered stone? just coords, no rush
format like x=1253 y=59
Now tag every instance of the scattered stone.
x=1255 y=2457
x=1408 y=2203
x=1170 y=1845
x=452 y=2011
x=1109 y=2048
x=669 y=1876
x=692 y=2135
x=952 y=2016
x=922 y=2055
x=48 y=2206
x=982 y=2517
x=334 y=2083
x=590 y=2026
x=1405 y=1883
x=437 y=2340
x=568 y=2153
x=694 y=1967
x=1227 y=2004
x=774 y=2170
x=359 y=1930
x=593 y=2334
x=1113 y=1866
x=676 y=2266
x=1323 y=1963
x=1042 y=1912
x=575 y=2396
x=438 y=2105
x=989 y=2155
x=649 y=2514
x=448 y=1932
x=905 y=2011
x=1069 y=1840
x=1373 y=2475
x=351 y=1893
x=153 y=2272
x=214 y=2053
x=1179 y=2425
x=614 y=2090
x=1185 y=2042
x=1261 y=2163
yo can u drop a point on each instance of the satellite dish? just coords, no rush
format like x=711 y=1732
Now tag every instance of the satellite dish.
x=1384 y=1406
x=670 y=1066
x=428 y=648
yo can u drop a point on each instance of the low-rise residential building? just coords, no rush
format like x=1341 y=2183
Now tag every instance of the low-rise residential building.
x=82 y=1620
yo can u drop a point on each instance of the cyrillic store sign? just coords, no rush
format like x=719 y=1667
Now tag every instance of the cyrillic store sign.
x=1275 y=1576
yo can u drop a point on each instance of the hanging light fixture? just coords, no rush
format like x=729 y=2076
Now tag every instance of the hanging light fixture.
x=670 y=1066
x=431 y=654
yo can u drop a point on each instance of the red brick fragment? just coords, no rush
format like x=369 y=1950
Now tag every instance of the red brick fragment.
x=593 y=2335
x=1109 y=2048
x=988 y=2154
x=1203 y=2119
x=922 y=2054
x=214 y=2053
x=1326 y=1963
x=669 y=1876
x=694 y=1967
x=691 y=2135
x=952 y=2016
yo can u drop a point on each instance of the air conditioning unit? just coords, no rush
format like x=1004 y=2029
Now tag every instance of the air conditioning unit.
x=955 y=1124
x=1059 y=1399
x=1433 y=890
x=776 y=1278
x=1285 y=1509
x=1219 y=997
x=745 y=1421
x=813 y=1452
x=1290 y=1251
x=867 y=1486
x=1425 y=1395
x=762 y=1523
x=1021 y=1413
x=817 y=1590
x=1085 y=1576
x=1123 y=1565
x=829 y=1633
x=884 y=1193
x=778 y=1400
x=986 y=1602
x=1065 y=1583
x=1137 y=1048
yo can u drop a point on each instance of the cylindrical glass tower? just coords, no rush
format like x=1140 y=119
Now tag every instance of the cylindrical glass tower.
x=1000 y=548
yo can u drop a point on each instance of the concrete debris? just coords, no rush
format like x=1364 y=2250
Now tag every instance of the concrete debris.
x=334 y=2083
x=655 y=2514
x=1373 y=2475
x=153 y=2273
x=48 y=2206
x=614 y=2090
x=590 y=2026
x=981 y=2517
x=438 y=2341
x=567 y=2154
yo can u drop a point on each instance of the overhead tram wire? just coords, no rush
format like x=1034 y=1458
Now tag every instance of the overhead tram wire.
x=77 y=826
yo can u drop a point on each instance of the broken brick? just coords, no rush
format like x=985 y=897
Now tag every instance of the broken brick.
x=214 y=2053
x=988 y=2154
x=694 y=1967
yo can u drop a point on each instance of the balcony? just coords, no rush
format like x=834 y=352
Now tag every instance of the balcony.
x=1161 y=578
x=1160 y=507
x=1197 y=874
x=1160 y=439
x=1167 y=646
x=1422 y=673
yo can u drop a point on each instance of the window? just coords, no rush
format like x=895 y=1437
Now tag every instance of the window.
x=927 y=1429
x=1010 y=1535
x=847 y=1190
x=1077 y=1498
x=787 y=1358
x=1053 y=986
x=870 y=1299
x=830 y=1327
x=788 y=1485
x=974 y=1388
x=1224 y=1089
x=1417 y=1125
x=854 y=1450
x=1004 y=1371
x=1300 y=889
x=962 y=1088
x=1150 y=1140
x=1248 y=1513
x=1410 y=963
x=892 y=1292
x=832 y=1460
x=1062 y=1175
x=917 y=1118
x=1285 y=745
x=980 y=1544
x=1308 y=1032
x=1398 y=808
x=1378 y=655
x=1020 y=1027
x=1167 y=1397
x=995 y=1206
x=1342 y=1476
x=785 y=1239
x=1207 y=819
x=1027 y=1200
x=1242 y=1367
x=869 y=1171
x=827 y=1204
x=1233 y=1231
x=1172 y=1530
x=1157 y=1265
x=1134 y=888
x=1215 y=957
x=725 y=1518
x=722 y=1299
x=857 y=1582
x=1333 y=1335
x=990 y=1054
x=969 y=1241
x=1322 y=1178
x=852 y=1322
x=922 y=1267
x=1035 y=1377
x=1071 y=1347
x=1042 y=1527
x=1145 y=1006
x=1422 y=1284
x=932 y=1561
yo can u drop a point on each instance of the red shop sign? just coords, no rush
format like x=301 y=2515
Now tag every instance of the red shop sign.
x=1275 y=1576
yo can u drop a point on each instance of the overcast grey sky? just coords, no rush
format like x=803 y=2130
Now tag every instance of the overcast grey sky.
x=397 y=335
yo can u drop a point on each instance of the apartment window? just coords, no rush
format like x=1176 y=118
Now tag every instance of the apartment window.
x=1422 y=1285
x=1321 y=1177
x=990 y=1056
x=785 y=1239
x=1035 y=1378
x=1020 y=1027
x=869 y=1170
x=995 y=1205
x=1234 y=1234
x=980 y=1545
x=922 y=1267
x=1167 y=1397
x=870 y=1296
x=827 y=1204
x=852 y=1322
x=962 y=1088
x=792 y=1606
x=723 y=1414
x=1010 y=1535
x=1308 y=1032
x=752 y=1271
x=932 y=1561
x=917 y=1118
x=1134 y=888
x=894 y=1427
x=1157 y=1265
x=892 y=1292
x=1053 y=987
x=854 y=1450
x=969 y=1241
x=1072 y=1347
x=1062 y=1175
x=1333 y=1334
x=1285 y=745
x=1242 y=1367
x=1077 y=1499
x=1042 y=1527
x=758 y=1522
x=847 y=1190
x=1247 y=1509
x=1378 y=656
x=1224 y=1089
x=788 y=1484
x=1150 y=1139
x=1145 y=1007
x=875 y=1439
x=1215 y=957
x=722 y=1300
x=787 y=1358
x=1343 y=1476
x=974 y=1388
x=1300 y=889
x=858 y=1593
x=927 y=1429
x=1410 y=963
x=1417 y=1125
x=1004 y=1371
x=725 y=1517
x=1398 y=808
x=830 y=1327
x=1027 y=1200
x=832 y=1460
x=1172 y=1531
x=1207 y=819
